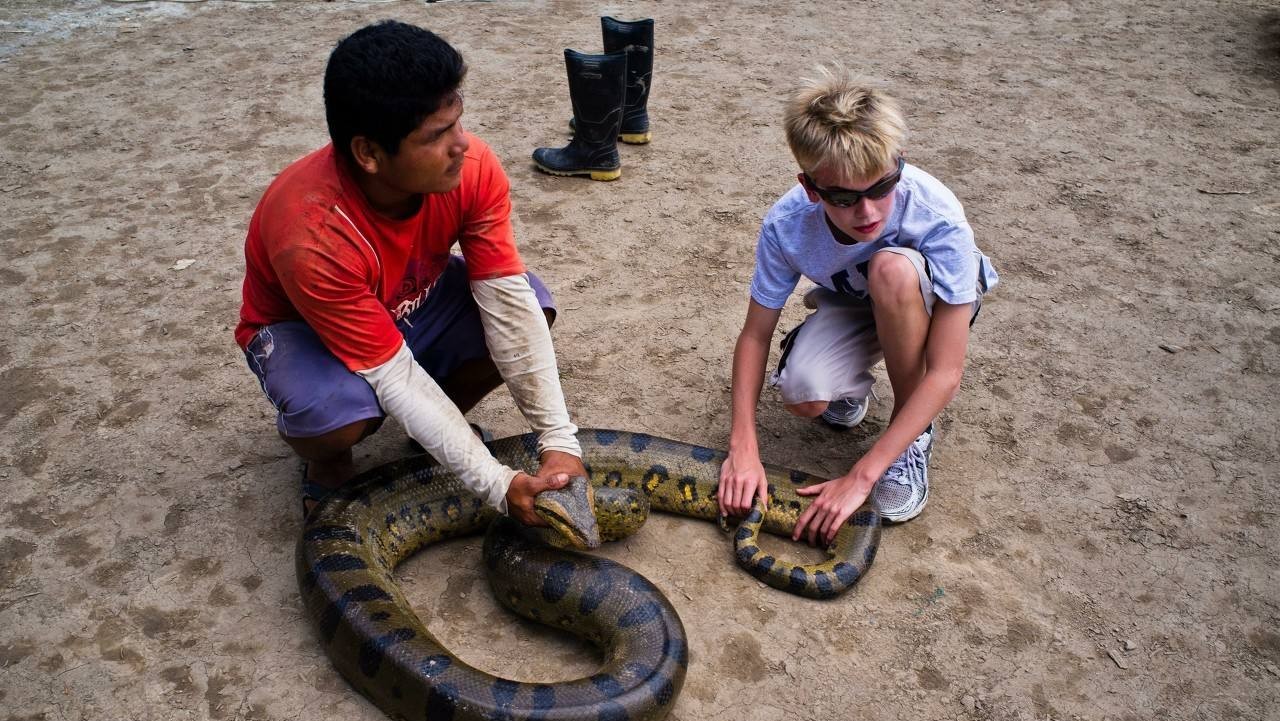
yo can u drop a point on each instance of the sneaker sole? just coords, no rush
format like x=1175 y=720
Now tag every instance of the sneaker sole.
x=842 y=425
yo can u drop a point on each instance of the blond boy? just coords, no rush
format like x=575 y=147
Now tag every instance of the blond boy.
x=898 y=278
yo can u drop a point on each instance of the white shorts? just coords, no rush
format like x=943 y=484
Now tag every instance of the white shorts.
x=830 y=355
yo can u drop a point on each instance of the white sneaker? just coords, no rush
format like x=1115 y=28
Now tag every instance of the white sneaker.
x=846 y=412
x=902 y=492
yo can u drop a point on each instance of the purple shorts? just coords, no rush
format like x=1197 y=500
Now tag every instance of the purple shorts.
x=314 y=392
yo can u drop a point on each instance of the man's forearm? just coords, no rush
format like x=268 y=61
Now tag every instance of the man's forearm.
x=520 y=345
x=409 y=395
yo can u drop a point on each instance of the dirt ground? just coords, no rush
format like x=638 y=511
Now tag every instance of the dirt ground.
x=1101 y=541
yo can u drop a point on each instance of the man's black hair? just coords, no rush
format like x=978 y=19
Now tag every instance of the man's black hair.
x=384 y=79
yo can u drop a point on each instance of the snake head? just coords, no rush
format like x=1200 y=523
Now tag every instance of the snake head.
x=571 y=512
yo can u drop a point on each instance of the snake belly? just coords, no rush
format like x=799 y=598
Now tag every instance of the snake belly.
x=352 y=542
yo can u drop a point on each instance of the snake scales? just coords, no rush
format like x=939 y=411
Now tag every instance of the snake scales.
x=353 y=541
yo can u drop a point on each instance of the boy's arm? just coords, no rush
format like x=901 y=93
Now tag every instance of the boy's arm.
x=742 y=475
x=944 y=365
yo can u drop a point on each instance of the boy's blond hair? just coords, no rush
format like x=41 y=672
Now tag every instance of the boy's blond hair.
x=834 y=121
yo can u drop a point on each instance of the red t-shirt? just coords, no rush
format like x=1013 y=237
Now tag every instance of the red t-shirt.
x=317 y=252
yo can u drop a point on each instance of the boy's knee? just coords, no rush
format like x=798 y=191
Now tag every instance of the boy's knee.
x=808 y=409
x=892 y=277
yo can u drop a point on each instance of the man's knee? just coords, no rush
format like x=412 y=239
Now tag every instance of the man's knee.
x=892 y=278
x=335 y=442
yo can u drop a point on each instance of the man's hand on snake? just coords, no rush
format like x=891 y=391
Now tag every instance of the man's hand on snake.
x=741 y=480
x=553 y=463
x=836 y=500
x=523 y=489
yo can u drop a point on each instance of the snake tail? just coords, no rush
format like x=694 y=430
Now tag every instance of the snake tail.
x=848 y=556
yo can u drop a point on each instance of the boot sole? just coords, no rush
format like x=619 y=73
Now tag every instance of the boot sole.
x=630 y=138
x=595 y=174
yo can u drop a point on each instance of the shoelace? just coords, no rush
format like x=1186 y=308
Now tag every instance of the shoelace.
x=906 y=470
x=856 y=404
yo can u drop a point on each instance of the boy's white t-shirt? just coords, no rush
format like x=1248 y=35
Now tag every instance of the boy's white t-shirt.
x=795 y=240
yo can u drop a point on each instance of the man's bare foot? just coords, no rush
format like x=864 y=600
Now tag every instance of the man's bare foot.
x=319 y=478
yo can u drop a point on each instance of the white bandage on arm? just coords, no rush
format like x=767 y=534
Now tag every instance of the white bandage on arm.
x=412 y=397
x=520 y=345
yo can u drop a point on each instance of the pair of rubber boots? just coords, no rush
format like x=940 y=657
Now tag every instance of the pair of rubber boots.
x=610 y=94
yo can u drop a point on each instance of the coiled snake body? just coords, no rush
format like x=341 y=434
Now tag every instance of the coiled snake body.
x=353 y=541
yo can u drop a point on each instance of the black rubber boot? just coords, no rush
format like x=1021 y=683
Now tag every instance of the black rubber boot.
x=636 y=39
x=597 y=85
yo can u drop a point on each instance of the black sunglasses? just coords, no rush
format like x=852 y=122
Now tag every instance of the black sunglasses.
x=844 y=198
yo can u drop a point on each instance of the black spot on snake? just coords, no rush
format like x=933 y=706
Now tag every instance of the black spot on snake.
x=637 y=670
x=846 y=573
x=655 y=476
x=606 y=438
x=372 y=651
x=823 y=581
x=504 y=691
x=676 y=648
x=333 y=612
x=607 y=685
x=663 y=690
x=746 y=553
x=442 y=702
x=688 y=488
x=640 y=441
x=556 y=583
x=640 y=615
x=798 y=477
x=544 y=697
x=702 y=455
x=799 y=579
x=339 y=562
x=592 y=597
x=610 y=711
x=452 y=507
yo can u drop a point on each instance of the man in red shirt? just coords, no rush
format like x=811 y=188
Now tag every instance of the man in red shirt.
x=355 y=308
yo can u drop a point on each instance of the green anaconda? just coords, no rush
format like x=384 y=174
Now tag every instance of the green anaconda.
x=354 y=539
